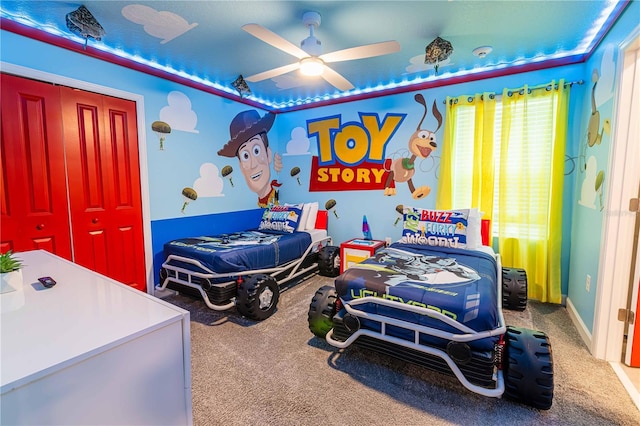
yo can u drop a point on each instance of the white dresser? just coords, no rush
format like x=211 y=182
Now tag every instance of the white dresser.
x=91 y=350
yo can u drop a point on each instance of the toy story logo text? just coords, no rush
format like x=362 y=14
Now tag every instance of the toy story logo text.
x=351 y=155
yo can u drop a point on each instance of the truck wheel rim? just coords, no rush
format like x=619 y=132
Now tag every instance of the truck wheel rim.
x=265 y=298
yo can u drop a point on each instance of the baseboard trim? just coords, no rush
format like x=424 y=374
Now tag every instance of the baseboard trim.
x=161 y=294
x=583 y=331
x=626 y=382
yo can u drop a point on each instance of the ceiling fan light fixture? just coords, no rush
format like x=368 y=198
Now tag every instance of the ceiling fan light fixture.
x=311 y=66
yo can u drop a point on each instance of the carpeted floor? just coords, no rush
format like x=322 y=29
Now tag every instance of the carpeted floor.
x=275 y=372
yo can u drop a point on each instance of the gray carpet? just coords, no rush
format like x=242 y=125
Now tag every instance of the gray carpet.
x=275 y=372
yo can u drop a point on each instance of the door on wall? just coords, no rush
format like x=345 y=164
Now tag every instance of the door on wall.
x=627 y=130
x=92 y=141
x=632 y=350
x=100 y=135
x=32 y=170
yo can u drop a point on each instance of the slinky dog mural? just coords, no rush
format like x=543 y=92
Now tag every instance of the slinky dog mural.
x=250 y=144
x=421 y=144
x=592 y=188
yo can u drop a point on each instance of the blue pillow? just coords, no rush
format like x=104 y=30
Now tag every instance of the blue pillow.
x=281 y=218
x=444 y=228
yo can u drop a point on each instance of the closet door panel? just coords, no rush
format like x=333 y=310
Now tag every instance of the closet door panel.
x=127 y=256
x=97 y=256
x=34 y=193
x=52 y=136
x=86 y=150
x=85 y=144
x=127 y=243
x=123 y=193
x=47 y=243
x=101 y=145
x=8 y=222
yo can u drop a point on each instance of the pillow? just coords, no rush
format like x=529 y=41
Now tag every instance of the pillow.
x=313 y=213
x=302 y=224
x=474 y=229
x=444 y=228
x=322 y=219
x=283 y=218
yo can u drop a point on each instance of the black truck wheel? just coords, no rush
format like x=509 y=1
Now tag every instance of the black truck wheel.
x=321 y=311
x=163 y=275
x=329 y=261
x=514 y=289
x=528 y=364
x=257 y=296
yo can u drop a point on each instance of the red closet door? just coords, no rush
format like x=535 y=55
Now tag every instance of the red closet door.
x=104 y=185
x=33 y=193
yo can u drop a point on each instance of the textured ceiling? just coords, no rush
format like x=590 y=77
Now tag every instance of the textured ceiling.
x=204 y=40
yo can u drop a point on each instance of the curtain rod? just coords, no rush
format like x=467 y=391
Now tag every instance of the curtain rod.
x=541 y=86
x=545 y=86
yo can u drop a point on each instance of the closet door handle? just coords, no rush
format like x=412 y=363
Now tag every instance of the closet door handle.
x=40 y=227
x=94 y=220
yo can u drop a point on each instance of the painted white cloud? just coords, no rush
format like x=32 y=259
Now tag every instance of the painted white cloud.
x=604 y=89
x=163 y=25
x=588 y=190
x=299 y=142
x=418 y=65
x=209 y=184
x=287 y=81
x=178 y=113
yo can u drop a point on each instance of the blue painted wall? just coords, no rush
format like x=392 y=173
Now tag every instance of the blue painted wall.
x=164 y=230
x=380 y=209
x=588 y=205
x=200 y=127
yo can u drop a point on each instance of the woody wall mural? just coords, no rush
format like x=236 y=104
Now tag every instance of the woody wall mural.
x=249 y=143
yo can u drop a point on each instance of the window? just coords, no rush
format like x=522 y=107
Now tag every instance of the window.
x=526 y=171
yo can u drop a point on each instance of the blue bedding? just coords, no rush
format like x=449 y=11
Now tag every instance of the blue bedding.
x=241 y=251
x=461 y=284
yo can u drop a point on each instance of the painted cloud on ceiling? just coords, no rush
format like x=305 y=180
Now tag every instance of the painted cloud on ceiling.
x=287 y=81
x=163 y=25
x=418 y=65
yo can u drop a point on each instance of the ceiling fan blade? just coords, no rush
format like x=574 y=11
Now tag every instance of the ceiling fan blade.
x=337 y=80
x=272 y=73
x=361 y=52
x=274 y=40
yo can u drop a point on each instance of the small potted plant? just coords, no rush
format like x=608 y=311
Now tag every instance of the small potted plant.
x=10 y=272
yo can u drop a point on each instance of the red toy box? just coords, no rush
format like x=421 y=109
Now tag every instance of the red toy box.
x=357 y=250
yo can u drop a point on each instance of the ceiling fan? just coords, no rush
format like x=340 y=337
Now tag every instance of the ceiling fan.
x=311 y=61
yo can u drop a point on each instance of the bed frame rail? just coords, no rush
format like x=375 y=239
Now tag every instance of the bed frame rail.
x=466 y=334
x=292 y=269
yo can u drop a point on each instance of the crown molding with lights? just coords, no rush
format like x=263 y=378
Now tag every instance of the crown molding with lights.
x=88 y=50
x=55 y=40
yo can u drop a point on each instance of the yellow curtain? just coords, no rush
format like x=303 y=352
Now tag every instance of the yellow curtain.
x=444 y=195
x=481 y=178
x=537 y=245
